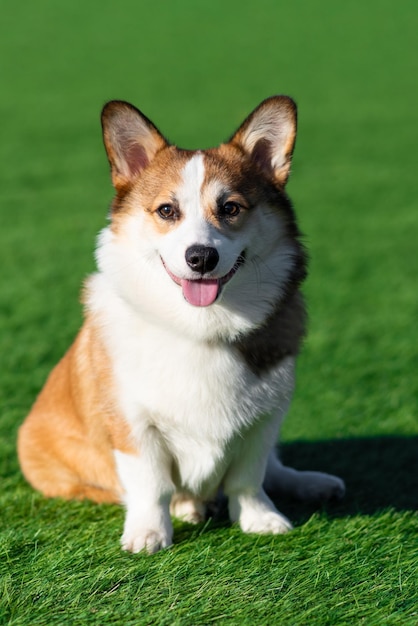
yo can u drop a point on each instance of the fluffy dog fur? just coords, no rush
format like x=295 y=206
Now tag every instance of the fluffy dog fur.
x=183 y=369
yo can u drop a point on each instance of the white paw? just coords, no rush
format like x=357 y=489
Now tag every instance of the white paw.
x=266 y=523
x=187 y=509
x=145 y=539
x=319 y=486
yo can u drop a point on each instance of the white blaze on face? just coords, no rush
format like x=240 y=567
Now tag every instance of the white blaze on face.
x=189 y=194
x=201 y=292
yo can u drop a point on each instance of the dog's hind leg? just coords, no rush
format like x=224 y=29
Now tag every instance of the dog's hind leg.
x=303 y=485
x=67 y=467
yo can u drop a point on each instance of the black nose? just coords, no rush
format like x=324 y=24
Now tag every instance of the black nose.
x=202 y=259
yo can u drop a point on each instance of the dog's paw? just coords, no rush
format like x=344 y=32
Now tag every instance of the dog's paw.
x=187 y=509
x=266 y=523
x=145 y=539
x=317 y=486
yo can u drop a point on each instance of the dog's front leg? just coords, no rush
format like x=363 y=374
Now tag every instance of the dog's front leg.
x=248 y=503
x=148 y=488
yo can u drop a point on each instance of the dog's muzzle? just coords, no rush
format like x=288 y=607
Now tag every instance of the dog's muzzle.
x=204 y=291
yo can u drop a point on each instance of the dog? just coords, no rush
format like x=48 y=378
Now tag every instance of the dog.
x=180 y=376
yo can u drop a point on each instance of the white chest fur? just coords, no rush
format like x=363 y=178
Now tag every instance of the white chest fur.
x=200 y=398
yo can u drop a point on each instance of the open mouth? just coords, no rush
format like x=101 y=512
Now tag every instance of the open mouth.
x=205 y=291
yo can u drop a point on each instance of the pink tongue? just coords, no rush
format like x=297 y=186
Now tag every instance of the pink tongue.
x=200 y=292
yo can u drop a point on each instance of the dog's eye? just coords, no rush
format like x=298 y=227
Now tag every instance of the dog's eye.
x=230 y=209
x=167 y=212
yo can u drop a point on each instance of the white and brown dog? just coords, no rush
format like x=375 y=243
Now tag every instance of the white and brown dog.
x=179 y=379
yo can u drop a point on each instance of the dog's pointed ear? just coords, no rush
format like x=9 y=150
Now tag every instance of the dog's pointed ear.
x=131 y=141
x=268 y=136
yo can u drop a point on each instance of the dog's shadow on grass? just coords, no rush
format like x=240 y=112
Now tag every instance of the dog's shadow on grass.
x=379 y=473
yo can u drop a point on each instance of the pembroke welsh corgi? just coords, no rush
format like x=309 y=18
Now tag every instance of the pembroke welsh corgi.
x=179 y=378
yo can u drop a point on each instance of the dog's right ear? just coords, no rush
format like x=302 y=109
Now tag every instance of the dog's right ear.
x=131 y=141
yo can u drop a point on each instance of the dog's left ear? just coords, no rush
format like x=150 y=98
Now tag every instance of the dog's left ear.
x=268 y=136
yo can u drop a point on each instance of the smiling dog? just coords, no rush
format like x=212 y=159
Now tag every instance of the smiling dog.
x=182 y=372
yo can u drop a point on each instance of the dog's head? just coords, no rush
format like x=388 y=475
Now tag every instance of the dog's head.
x=207 y=239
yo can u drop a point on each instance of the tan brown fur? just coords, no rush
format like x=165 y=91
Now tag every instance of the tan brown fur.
x=153 y=188
x=65 y=445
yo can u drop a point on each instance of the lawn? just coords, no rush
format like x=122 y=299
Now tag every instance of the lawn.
x=197 y=69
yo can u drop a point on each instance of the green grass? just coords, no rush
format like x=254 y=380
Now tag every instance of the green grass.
x=197 y=68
